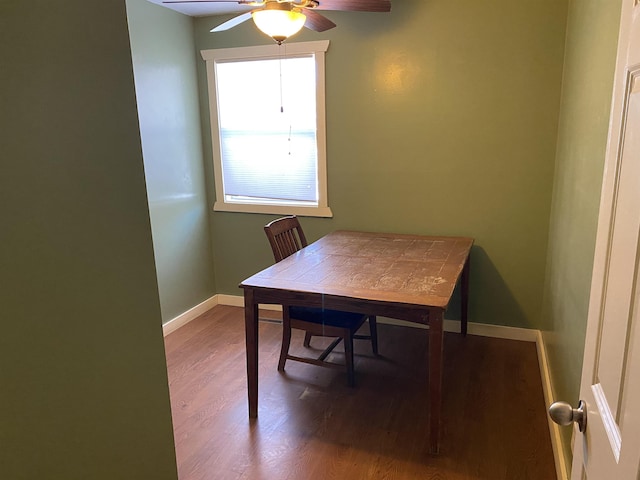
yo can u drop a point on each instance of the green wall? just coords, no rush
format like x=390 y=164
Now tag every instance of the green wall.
x=82 y=371
x=441 y=119
x=592 y=34
x=164 y=61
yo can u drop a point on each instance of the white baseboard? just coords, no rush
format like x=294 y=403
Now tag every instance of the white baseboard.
x=558 y=446
x=480 y=329
x=181 y=320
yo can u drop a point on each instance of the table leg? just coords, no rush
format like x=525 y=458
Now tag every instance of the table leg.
x=464 y=295
x=435 y=377
x=251 y=335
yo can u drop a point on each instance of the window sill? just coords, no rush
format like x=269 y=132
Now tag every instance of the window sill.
x=324 y=212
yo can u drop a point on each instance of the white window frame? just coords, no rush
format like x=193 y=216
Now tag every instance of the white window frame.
x=318 y=49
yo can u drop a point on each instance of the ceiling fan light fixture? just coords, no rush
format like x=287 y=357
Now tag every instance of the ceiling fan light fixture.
x=279 y=23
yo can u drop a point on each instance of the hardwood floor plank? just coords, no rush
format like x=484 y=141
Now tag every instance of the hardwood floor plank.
x=311 y=425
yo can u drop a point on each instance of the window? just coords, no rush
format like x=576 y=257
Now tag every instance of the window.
x=268 y=128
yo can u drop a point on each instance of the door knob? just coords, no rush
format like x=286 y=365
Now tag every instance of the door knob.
x=564 y=414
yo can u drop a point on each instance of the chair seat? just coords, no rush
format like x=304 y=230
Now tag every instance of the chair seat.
x=333 y=318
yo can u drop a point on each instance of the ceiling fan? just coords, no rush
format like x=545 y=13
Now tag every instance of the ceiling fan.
x=282 y=18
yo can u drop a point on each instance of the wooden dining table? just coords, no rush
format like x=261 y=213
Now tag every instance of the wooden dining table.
x=406 y=277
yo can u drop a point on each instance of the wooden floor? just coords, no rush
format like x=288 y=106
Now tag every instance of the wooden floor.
x=312 y=426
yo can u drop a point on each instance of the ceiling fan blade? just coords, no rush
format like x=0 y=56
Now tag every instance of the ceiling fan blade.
x=239 y=2
x=317 y=22
x=355 y=5
x=232 y=23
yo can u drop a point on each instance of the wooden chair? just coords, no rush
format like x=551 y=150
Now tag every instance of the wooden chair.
x=286 y=237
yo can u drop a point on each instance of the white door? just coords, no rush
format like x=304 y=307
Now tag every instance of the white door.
x=609 y=448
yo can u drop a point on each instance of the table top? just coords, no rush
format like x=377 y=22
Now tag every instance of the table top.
x=412 y=269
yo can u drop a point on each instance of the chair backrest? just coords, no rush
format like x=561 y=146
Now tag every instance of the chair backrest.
x=285 y=236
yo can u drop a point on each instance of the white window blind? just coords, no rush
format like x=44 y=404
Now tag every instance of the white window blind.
x=267 y=121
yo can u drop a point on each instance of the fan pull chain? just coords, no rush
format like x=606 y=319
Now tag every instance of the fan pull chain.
x=280 y=66
x=281 y=94
x=280 y=55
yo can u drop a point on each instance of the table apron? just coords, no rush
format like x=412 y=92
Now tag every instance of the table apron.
x=401 y=311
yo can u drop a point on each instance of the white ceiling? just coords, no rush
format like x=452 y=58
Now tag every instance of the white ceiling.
x=203 y=9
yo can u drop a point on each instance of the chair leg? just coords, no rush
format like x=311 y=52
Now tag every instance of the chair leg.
x=286 y=341
x=348 y=354
x=307 y=339
x=373 y=330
